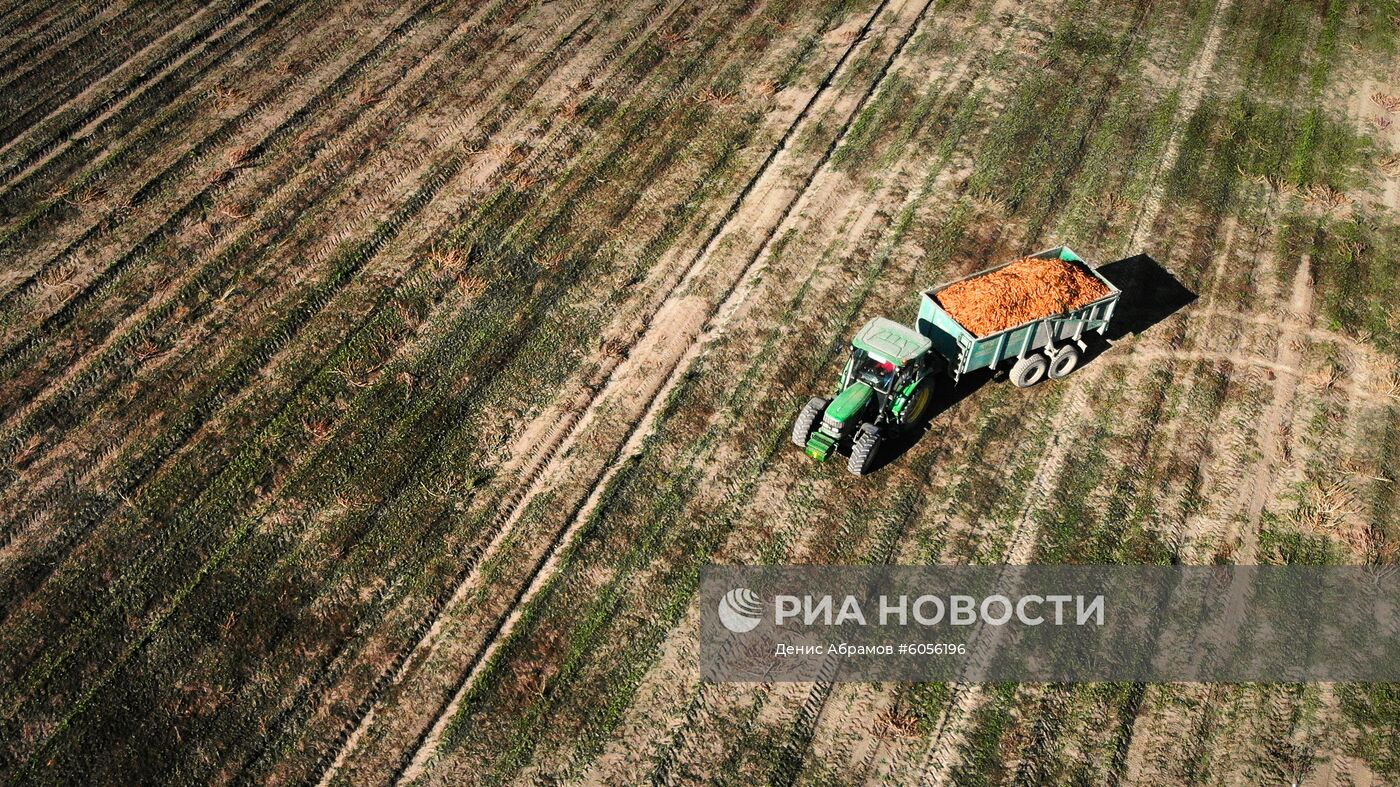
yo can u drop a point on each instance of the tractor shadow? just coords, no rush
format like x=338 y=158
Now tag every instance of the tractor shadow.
x=946 y=396
x=1151 y=294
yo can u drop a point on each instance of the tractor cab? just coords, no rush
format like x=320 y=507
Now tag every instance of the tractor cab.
x=885 y=354
x=886 y=383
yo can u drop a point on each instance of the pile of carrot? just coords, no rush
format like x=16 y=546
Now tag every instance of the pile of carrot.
x=1028 y=289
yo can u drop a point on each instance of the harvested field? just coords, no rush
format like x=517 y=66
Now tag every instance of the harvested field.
x=1030 y=288
x=376 y=377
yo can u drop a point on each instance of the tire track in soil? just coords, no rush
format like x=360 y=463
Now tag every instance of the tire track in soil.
x=869 y=220
x=81 y=74
x=23 y=350
x=458 y=126
x=712 y=326
x=654 y=21
x=808 y=717
x=432 y=187
x=1257 y=482
x=336 y=663
x=12 y=21
x=941 y=757
x=615 y=58
x=438 y=182
x=812 y=708
x=101 y=13
x=556 y=449
x=1261 y=478
x=869 y=216
x=88 y=122
x=105 y=357
x=854 y=236
x=125 y=136
x=359 y=69
x=323 y=675
x=59 y=490
x=1196 y=83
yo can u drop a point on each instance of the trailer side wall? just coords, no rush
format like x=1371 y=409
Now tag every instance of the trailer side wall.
x=966 y=352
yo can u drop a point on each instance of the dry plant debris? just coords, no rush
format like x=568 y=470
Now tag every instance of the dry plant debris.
x=1025 y=290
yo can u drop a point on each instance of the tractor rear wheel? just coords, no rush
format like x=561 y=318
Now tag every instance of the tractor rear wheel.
x=807 y=420
x=917 y=404
x=1029 y=370
x=1064 y=362
x=863 y=451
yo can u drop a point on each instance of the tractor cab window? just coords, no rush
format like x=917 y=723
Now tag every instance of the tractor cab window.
x=906 y=375
x=875 y=372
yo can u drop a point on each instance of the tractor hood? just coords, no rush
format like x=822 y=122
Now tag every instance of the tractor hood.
x=848 y=404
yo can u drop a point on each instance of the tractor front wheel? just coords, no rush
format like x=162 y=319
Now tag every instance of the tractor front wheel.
x=1029 y=370
x=807 y=420
x=863 y=451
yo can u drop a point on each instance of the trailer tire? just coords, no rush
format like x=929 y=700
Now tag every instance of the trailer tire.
x=1064 y=362
x=864 y=449
x=1029 y=370
x=806 y=421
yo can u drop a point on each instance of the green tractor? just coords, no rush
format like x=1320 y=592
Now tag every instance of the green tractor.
x=886 y=387
x=888 y=381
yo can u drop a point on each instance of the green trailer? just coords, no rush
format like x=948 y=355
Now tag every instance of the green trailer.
x=1047 y=347
x=891 y=370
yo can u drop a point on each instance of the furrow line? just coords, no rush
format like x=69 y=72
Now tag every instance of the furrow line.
x=110 y=46
x=273 y=140
x=126 y=147
x=29 y=54
x=460 y=124
x=336 y=664
x=427 y=626
x=89 y=121
x=110 y=352
x=13 y=21
x=321 y=253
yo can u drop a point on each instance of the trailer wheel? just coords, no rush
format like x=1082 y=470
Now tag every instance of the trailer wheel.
x=1029 y=370
x=1064 y=362
x=863 y=451
x=807 y=420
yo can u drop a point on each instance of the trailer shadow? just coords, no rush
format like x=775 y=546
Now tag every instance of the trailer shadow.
x=1151 y=294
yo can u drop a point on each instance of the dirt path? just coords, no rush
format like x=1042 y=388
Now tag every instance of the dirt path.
x=1193 y=91
x=1263 y=477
